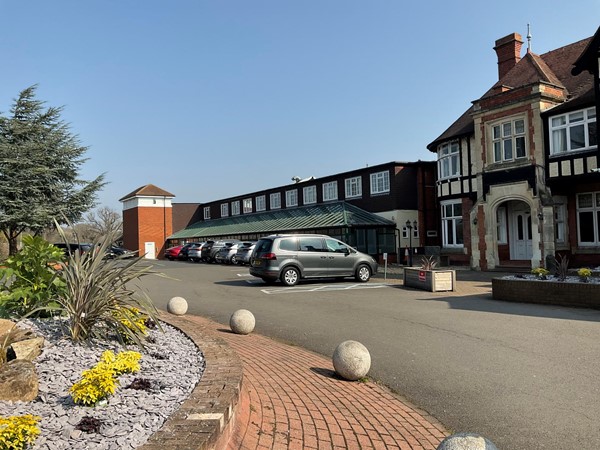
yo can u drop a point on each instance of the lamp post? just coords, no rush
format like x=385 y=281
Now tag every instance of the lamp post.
x=409 y=227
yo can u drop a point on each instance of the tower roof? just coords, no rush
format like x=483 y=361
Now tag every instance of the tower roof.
x=149 y=190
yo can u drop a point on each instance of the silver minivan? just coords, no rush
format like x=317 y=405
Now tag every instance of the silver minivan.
x=291 y=257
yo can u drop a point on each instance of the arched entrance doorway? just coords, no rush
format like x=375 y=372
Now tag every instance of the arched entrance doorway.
x=514 y=234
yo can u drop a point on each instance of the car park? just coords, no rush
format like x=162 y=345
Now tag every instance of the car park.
x=292 y=257
x=71 y=249
x=114 y=252
x=172 y=252
x=183 y=253
x=209 y=251
x=227 y=253
x=244 y=251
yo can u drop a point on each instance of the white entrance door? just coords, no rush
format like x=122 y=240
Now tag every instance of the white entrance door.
x=150 y=250
x=520 y=232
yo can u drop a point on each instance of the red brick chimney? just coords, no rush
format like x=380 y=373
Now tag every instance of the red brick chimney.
x=508 y=50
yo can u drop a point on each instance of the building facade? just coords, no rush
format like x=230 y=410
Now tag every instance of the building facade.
x=518 y=180
x=369 y=208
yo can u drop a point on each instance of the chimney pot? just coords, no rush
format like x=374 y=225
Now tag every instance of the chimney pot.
x=508 y=50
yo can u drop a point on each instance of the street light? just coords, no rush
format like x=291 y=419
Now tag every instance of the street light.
x=409 y=227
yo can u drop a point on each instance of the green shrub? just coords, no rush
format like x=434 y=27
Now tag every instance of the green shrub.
x=30 y=280
x=100 y=295
x=18 y=432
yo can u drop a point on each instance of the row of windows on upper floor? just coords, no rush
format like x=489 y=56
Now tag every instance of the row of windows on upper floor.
x=570 y=132
x=380 y=184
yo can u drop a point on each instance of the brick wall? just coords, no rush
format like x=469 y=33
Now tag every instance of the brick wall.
x=141 y=225
x=585 y=295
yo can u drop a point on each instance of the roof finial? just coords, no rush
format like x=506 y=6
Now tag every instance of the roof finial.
x=528 y=39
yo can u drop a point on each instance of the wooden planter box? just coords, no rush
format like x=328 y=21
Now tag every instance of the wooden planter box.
x=437 y=280
x=585 y=295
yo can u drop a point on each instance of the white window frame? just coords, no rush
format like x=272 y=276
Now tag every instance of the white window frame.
x=454 y=225
x=261 y=203
x=309 y=195
x=449 y=160
x=275 y=200
x=380 y=182
x=506 y=136
x=206 y=212
x=595 y=210
x=235 y=208
x=247 y=205
x=224 y=209
x=330 y=191
x=353 y=187
x=291 y=198
x=562 y=126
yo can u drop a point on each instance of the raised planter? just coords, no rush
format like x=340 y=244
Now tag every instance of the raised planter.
x=437 y=280
x=586 y=295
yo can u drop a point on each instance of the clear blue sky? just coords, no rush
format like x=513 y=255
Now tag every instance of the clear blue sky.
x=210 y=99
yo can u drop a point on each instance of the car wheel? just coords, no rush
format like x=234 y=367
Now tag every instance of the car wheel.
x=234 y=260
x=290 y=276
x=363 y=273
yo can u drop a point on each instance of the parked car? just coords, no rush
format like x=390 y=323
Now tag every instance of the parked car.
x=71 y=249
x=226 y=254
x=292 y=257
x=195 y=253
x=244 y=251
x=183 y=253
x=209 y=251
x=119 y=252
x=172 y=252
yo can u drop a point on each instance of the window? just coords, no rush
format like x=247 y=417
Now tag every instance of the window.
x=573 y=131
x=247 y=204
x=309 y=194
x=276 y=200
x=509 y=140
x=311 y=244
x=560 y=216
x=235 y=208
x=415 y=231
x=291 y=198
x=335 y=246
x=448 y=160
x=501 y=226
x=452 y=224
x=206 y=212
x=588 y=218
x=380 y=182
x=261 y=203
x=224 y=209
x=330 y=191
x=353 y=187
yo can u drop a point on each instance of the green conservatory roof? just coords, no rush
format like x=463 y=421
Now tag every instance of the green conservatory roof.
x=330 y=215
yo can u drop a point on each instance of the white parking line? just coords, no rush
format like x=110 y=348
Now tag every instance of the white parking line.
x=323 y=288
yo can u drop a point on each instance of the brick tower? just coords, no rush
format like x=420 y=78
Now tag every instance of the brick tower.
x=147 y=220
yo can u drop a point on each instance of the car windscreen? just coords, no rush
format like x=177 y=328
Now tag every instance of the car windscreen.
x=263 y=246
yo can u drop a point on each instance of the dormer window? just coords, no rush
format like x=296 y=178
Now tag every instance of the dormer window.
x=509 y=140
x=573 y=131
x=449 y=160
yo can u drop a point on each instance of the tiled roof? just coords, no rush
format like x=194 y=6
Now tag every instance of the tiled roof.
x=148 y=190
x=330 y=215
x=553 y=67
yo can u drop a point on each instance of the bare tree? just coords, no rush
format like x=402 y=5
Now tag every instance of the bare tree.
x=102 y=222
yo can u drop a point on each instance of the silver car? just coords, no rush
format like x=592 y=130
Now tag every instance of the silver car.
x=292 y=257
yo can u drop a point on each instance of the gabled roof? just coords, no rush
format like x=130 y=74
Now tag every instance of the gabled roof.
x=148 y=190
x=589 y=57
x=553 y=67
x=330 y=215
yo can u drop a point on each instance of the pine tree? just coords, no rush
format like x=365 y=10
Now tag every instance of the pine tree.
x=39 y=164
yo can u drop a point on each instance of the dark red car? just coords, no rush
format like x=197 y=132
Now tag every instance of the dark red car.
x=173 y=252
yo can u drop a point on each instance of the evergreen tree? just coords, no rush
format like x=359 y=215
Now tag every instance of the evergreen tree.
x=39 y=164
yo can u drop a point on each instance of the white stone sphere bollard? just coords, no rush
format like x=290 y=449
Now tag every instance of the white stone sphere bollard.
x=242 y=322
x=351 y=360
x=177 y=306
x=466 y=441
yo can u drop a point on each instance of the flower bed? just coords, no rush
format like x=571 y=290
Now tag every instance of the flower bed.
x=531 y=289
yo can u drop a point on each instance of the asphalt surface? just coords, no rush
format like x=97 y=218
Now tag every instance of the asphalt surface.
x=525 y=376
